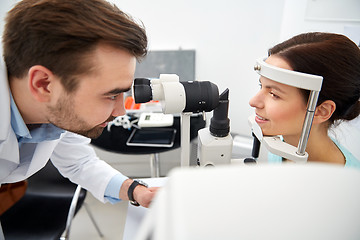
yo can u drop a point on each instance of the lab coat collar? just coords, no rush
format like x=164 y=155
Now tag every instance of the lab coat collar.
x=17 y=122
x=5 y=102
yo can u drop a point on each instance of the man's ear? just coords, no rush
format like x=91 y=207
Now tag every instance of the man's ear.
x=40 y=80
x=324 y=111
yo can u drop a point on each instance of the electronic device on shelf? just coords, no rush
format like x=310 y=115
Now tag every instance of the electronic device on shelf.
x=155 y=120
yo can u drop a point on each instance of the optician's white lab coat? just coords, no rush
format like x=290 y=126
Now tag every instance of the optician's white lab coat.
x=71 y=154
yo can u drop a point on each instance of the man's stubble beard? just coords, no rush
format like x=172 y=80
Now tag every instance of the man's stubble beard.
x=64 y=116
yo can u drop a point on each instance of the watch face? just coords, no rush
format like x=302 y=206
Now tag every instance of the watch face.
x=142 y=183
x=135 y=203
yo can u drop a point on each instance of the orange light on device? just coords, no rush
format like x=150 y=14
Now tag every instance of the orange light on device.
x=130 y=103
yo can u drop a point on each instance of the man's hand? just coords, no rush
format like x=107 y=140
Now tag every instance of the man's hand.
x=142 y=195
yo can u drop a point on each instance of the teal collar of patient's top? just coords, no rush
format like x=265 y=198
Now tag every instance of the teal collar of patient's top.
x=350 y=159
x=45 y=132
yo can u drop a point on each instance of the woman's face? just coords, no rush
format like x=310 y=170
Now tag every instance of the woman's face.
x=280 y=109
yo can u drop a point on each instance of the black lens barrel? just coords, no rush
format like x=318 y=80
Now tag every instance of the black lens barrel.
x=200 y=96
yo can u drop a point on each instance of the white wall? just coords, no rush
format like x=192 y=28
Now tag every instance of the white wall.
x=299 y=17
x=227 y=35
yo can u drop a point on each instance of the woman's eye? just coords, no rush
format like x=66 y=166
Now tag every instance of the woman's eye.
x=274 y=95
x=112 y=97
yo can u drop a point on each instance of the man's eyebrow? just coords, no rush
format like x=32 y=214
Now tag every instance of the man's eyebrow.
x=116 y=91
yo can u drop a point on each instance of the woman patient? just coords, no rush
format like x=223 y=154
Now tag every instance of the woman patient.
x=280 y=109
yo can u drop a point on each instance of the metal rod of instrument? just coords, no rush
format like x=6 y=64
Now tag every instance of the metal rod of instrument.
x=307 y=122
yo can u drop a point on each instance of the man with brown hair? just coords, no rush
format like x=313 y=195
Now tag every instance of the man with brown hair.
x=68 y=63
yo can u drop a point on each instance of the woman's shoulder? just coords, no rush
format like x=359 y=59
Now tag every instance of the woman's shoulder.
x=351 y=160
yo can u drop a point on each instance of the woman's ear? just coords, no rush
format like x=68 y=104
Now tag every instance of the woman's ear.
x=324 y=111
x=40 y=81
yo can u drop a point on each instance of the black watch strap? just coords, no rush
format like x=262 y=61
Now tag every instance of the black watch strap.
x=133 y=185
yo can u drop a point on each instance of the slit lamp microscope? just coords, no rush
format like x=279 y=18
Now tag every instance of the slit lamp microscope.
x=187 y=97
x=215 y=142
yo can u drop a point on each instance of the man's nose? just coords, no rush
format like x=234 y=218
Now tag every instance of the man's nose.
x=119 y=108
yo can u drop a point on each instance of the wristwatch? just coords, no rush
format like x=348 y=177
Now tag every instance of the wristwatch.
x=131 y=191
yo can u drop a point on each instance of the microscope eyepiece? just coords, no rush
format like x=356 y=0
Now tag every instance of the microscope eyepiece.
x=142 y=92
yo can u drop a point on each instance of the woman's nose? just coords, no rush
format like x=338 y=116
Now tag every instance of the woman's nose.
x=256 y=101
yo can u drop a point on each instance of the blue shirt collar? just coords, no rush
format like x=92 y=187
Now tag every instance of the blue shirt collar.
x=45 y=132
